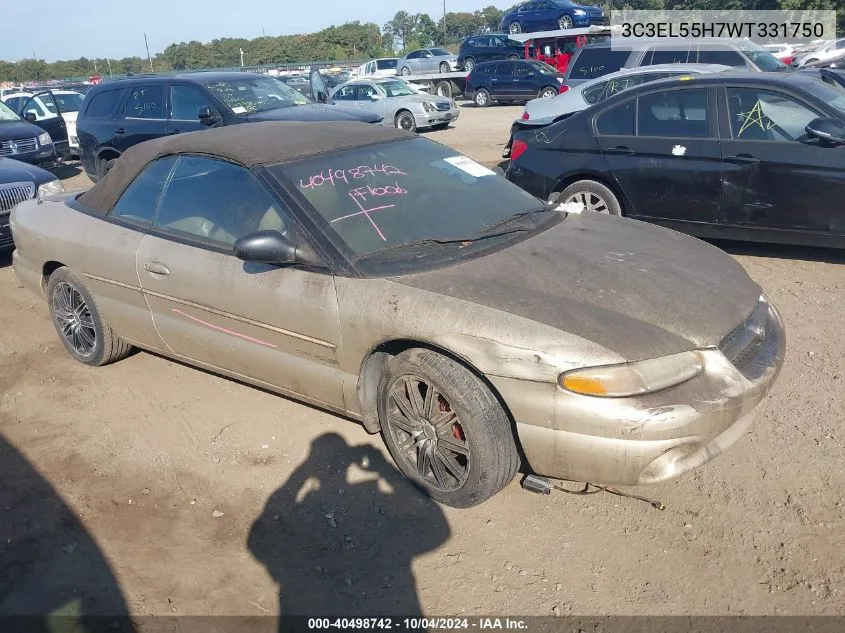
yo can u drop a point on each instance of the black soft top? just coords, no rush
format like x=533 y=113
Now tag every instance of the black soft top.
x=247 y=144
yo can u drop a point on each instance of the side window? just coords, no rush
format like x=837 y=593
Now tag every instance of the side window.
x=720 y=55
x=346 y=93
x=102 y=104
x=186 y=101
x=364 y=92
x=592 y=63
x=523 y=70
x=673 y=113
x=413 y=55
x=145 y=102
x=504 y=69
x=14 y=103
x=623 y=83
x=593 y=94
x=761 y=115
x=138 y=202
x=217 y=201
x=472 y=42
x=497 y=42
x=618 y=120
x=667 y=56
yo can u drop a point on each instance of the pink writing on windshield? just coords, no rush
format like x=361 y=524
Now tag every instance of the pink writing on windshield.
x=343 y=175
x=363 y=193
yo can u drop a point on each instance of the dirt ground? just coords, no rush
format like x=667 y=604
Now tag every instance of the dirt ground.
x=156 y=488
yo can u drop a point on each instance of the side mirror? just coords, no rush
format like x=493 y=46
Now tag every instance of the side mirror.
x=827 y=129
x=271 y=247
x=531 y=75
x=321 y=96
x=375 y=97
x=206 y=116
x=31 y=116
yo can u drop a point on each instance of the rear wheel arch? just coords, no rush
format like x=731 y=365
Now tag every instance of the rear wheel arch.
x=601 y=179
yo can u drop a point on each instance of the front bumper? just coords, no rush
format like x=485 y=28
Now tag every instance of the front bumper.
x=5 y=232
x=437 y=117
x=45 y=157
x=644 y=440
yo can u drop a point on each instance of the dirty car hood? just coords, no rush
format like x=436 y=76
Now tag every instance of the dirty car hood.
x=638 y=290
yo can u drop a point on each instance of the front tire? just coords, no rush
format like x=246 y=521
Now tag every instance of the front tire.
x=565 y=22
x=444 y=429
x=444 y=67
x=514 y=28
x=481 y=98
x=405 y=121
x=84 y=332
x=595 y=197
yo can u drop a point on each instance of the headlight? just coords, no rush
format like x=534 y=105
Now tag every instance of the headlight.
x=633 y=379
x=579 y=12
x=427 y=106
x=50 y=189
x=44 y=139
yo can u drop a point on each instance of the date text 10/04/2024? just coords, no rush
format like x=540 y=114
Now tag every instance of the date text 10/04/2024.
x=416 y=624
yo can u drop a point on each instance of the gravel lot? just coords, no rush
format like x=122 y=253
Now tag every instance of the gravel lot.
x=180 y=482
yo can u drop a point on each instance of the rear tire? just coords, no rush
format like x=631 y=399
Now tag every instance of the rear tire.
x=83 y=330
x=481 y=98
x=405 y=121
x=595 y=197
x=469 y=64
x=445 y=430
x=548 y=92
x=406 y=72
x=514 y=28
x=104 y=166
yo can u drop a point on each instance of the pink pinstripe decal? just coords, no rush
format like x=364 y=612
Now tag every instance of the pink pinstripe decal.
x=224 y=330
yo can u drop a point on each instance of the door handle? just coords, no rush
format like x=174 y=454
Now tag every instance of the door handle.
x=620 y=150
x=494 y=80
x=156 y=268
x=120 y=130
x=742 y=159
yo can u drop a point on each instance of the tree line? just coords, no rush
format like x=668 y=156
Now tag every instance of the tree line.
x=350 y=41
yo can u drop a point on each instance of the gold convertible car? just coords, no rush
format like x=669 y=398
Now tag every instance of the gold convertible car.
x=392 y=280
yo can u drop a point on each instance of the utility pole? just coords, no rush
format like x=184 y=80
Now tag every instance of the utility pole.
x=108 y=61
x=444 y=22
x=242 y=57
x=150 y=59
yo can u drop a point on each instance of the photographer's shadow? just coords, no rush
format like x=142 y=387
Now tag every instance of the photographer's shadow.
x=344 y=548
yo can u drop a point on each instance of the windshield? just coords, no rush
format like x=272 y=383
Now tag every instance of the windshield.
x=258 y=93
x=762 y=58
x=439 y=52
x=378 y=197
x=829 y=92
x=7 y=114
x=68 y=102
x=386 y=64
x=394 y=88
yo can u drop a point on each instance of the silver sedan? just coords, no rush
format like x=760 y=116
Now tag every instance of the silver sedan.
x=397 y=103
x=427 y=60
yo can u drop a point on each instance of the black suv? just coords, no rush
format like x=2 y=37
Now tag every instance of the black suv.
x=487 y=48
x=119 y=114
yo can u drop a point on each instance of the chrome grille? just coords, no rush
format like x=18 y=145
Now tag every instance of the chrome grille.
x=742 y=345
x=18 y=146
x=443 y=106
x=13 y=193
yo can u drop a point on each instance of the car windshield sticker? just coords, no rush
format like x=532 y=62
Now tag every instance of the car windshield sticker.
x=679 y=150
x=469 y=166
x=238 y=109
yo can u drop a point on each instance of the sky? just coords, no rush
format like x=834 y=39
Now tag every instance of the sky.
x=58 y=29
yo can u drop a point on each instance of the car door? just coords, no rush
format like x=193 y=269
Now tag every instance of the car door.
x=528 y=16
x=525 y=81
x=184 y=104
x=426 y=62
x=502 y=81
x=51 y=120
x=545 y=16
x=775 y=175
x=662 y=148
x=143 y=117
x=367 y=97
x=275 y=325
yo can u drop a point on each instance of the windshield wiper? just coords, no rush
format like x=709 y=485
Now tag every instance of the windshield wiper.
x=489 y=231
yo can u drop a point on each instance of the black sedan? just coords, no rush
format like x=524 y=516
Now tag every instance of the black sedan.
x=749 y=156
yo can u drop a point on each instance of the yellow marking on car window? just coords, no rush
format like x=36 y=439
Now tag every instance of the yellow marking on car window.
x=685 y=78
